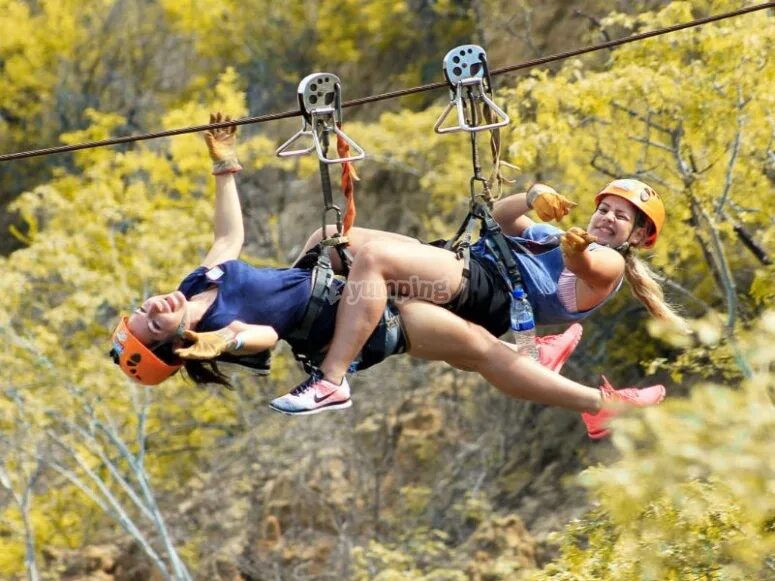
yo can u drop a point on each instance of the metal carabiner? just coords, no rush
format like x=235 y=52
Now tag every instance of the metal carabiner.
x=338 y=211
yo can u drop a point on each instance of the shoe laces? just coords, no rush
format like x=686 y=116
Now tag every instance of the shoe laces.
x=315 y=376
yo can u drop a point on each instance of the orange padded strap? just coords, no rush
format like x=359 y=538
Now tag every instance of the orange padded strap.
x=349 y=177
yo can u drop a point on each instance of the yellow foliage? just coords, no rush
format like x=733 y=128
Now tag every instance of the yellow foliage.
x=123 y=223
x=692 y=493
x=32 y=41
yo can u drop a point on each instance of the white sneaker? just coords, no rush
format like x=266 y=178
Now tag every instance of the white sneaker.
x=313 y=396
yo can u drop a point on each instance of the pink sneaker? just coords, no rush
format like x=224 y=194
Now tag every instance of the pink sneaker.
x=313 y=396
x=554 y=350
x=616 y=401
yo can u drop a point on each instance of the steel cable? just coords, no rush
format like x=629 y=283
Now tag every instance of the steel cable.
x=389 y=95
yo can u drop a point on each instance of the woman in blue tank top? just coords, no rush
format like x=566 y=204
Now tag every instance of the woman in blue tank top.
x=579 y=271
x=228 y=309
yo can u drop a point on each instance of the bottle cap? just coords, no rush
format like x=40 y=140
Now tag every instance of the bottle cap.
x=518 y=293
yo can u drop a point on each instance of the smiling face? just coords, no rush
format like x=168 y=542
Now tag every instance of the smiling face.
x=158 y=319
x=614 y=222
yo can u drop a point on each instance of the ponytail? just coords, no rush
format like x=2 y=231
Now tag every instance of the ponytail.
x=647 y=290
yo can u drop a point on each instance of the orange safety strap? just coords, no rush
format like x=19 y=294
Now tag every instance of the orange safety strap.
x=497 y=179
x=349 y=177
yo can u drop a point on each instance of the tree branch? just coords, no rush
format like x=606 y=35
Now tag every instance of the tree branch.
x=663 y=279
x=595 y=21
x=748 y=240
x=640 y=117
x=715 y=255
x=652 y=143
x=731 y=165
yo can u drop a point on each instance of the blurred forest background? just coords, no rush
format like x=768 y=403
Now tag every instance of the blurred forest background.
x=432 y=474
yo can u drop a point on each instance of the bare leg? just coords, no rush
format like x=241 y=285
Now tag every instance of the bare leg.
x=409 y=270
x=358 y=237
x=437 y=334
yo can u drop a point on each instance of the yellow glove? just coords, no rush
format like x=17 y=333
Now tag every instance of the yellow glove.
x=207 y=345
x=222 y=145
x=575 y=241
x=548 y=204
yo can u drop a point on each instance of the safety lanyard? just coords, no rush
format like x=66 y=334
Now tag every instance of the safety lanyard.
x=468 y=75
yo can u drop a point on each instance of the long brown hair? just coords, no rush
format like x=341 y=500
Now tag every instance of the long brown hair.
x=641 y=281
x=648 y=291
x=205 y=372
x=198 y=371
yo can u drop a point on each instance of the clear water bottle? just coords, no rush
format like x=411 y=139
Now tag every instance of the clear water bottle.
x=523 y=325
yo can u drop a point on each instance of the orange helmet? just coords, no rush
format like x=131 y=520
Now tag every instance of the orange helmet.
x=136 y=360
x=643 y=197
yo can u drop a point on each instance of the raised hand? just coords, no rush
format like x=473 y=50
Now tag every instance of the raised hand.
x=548 y=204
x=222 y=146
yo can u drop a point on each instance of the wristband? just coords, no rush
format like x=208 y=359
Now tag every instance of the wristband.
x=226 y=166
x=237 y=343
x=531 y=195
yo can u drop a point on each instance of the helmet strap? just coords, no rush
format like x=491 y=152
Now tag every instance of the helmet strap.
x=641 y=221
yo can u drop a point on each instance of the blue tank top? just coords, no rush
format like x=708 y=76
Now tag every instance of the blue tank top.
x=258 y=296
x=540 y=272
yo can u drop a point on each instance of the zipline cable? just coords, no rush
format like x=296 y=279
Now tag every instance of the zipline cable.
x=389 y=95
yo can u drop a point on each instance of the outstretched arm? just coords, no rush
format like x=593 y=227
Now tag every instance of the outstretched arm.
x=599 y=270
x=228 y=229
x=229 y=234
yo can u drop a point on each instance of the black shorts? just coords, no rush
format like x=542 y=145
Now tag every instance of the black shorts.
x=483 y=297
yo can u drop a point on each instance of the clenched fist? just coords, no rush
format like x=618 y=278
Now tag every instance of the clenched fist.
x=575 y=241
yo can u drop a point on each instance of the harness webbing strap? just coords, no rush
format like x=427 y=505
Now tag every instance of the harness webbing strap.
x=345 y=257
x=322 y=276
x=495 y=241
x=499 y=245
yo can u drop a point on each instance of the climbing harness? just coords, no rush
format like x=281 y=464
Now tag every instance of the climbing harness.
x=319 y=97
x=320 y=100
